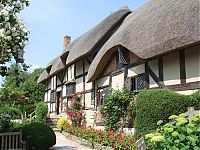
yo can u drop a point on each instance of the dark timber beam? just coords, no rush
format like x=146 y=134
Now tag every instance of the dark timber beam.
x=182 y=66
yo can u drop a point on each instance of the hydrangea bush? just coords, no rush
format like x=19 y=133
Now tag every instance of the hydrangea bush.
x=13 y=34
x=177 y=135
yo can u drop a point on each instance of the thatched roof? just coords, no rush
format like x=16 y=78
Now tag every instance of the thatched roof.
x=50 y=64
x=43 y=77
x=57 y=66
x=45 y=74
x=157 y=28
x=90 y=40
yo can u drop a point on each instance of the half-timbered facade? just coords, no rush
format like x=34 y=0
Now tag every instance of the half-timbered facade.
x=157 y=46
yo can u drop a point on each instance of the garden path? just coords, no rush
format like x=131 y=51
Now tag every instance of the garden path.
x=63 y=143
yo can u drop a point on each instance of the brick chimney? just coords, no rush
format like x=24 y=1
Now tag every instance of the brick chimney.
x=67 y=40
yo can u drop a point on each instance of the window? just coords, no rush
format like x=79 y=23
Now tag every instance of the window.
x=138 y=83
x=123 y=57
x=70 y=88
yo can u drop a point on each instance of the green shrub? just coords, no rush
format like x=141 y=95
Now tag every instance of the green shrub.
x=195 y=102
x=38 y=136
x=157 y=104
x=178 y=135
x=115 y=108
x=12 y=112
x=41 y=111
x=5 y=123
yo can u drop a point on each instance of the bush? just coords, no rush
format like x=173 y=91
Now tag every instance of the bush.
x=38 y=136
x=41 y=112
x=157 y=104
x=12 y=112
x=62 y=122
x=75 y=111
x=115 y=108
x=178 y=135
x=5 y=123
x=195 y=102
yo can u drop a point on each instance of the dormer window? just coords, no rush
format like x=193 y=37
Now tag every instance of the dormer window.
x=123 y=57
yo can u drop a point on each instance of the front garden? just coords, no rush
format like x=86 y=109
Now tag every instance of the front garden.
x=36 y=135
x=144 y=112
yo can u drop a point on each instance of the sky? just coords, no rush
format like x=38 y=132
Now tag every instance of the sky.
x=50 y=20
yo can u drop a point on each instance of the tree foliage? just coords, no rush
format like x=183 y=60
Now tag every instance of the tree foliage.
x=20 y=89
x=13 y=34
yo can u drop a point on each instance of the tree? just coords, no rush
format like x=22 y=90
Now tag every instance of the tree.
x=20 y=89
x=13 y=34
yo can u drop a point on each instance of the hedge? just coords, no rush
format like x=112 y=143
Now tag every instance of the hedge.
x=37 y=136
x=195 y=100
x=158 y=104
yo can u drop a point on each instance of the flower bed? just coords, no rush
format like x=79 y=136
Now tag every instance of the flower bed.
x=116 y=140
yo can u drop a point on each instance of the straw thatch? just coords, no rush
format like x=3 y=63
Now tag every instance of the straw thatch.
x=43 y=77
x=50 y=64
x=157 y=28
x=92 y=39
x=57 y=66
x=45 y=74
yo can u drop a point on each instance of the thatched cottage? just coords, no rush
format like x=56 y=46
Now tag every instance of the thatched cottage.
x=156 y=46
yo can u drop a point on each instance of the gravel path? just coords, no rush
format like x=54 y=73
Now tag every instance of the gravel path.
x=63 y=143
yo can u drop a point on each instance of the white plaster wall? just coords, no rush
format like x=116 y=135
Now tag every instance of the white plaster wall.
x=79 y=84
x=79 y=68
x=48 y=104
x=49 y=84
x=58 y=80
x=118 y=81
x=46 y=96
x=192 y=64
x=59 y=89
x=53 y=81
x=71 y=72
x=153 y=64
x=88 y=86
x=88 y=100
x=64 y=90
x=171 y=69
x=65 y=78
x=102 y=82
x=53 y=107
x=136 y=70
x=49 y=95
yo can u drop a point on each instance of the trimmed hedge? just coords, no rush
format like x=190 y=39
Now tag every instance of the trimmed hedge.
x=38 y=136
x=158 y=104
x=195 y=100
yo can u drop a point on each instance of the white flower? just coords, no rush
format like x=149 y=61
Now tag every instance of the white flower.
x=2 y=32
x=4 y=12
